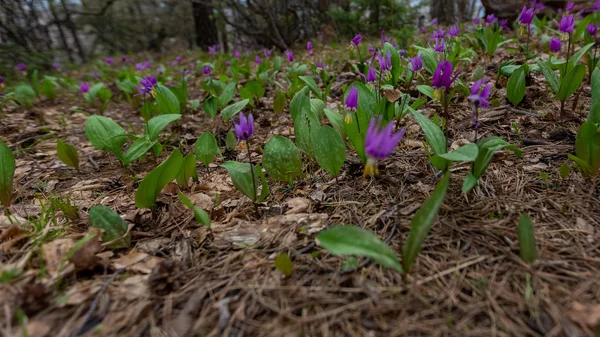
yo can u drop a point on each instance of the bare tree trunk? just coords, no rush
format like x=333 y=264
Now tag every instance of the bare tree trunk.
x=444 y=11
x=204 y=25
x=73 y=30
x=61 y=32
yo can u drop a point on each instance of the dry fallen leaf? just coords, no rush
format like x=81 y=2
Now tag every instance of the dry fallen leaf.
x=298 y=205
x=392 y=95
x=54 y=253
x=137 y=261
x=586 y=314
x=202 y=200
x=85 y=257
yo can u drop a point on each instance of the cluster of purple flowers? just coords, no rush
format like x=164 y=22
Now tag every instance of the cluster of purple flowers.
x=84 y=87
x=147 y=84
x=214 y=50
x=143 y=66
x=380 y=143
x=443 y=78
x=290 y=55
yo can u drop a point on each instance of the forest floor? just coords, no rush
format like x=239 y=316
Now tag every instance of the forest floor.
x=182 y=279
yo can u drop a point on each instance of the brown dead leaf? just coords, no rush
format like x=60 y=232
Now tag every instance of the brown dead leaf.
x=202 y=200
x=586 y=314
x=298 y=205
x=54 y=253
x=137 y=261
x=81 y=292
x=36 y=328
x=134 y=288
x=392 y=95
x=10 y=233
x=85 y=257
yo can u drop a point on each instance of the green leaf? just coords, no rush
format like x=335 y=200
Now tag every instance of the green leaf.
x=551 y=77
x=115 y=229
x=188 y=170
x=166 y=100
x=564 y=171
x=279 y=104
x=395 y=58
x=355 y=241
x=282 y=159
x=227 y=94
x=329 y=149
x=24 y=94
x=67 y=153
x=158 y=123
x=206 y=148
x=195 y=104
x=466 y=153
x=48 y=89
x=422 y=221
x=587 y=148
x=256 y=89
x=594 y=115
x=104 y=133
x=430 y=60
x=138 y=149
x=231 y=140
x=527 y=247
x=515 y=88
x=571 y=82
x=302 y=131
x=242 y=179
x=233 y=109
x=284 y=264
x=487 y=149
x=157 y=179
x=7 y=173
x=127 y=87
x=300 y=104
x=435 y=137
x=574 y=60
x=316 y=108
x=210 y=106
x=199 y=214
x=337 y=121
x=312 y=85
x=367 y=105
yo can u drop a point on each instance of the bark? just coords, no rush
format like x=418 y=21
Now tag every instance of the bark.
x=61 y=32
x=444 y=11
x=204 y=25
x=73 y=29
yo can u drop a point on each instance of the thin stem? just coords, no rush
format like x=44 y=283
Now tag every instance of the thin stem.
x=401 y=112
x=527 y=45
x=360 y=59
x=254 y=191
x=568 y=56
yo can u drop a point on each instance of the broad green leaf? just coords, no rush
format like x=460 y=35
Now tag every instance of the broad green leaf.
x=300 y=104
x=426 y=90
x=466 y=153
x=587 y=148
x=25 y=95
x=188 y=170
x=571 y=82
x=316 y=108
x=233 y=109
x=157 y=179
x=284 y=264
x=200 y=215
x=487 y=149
x=527 y=247
x=47 y=88
x=395 y=58
x=206 y=148
x=430 y=60
x=231 y=140
x=158 y=123
x=312 y=85
x=337 y=121
x=551 y=77
x=167 y=101
x=355 y=241
x=329 y=149
x=115 y=229
x=127 y=86
x=242 y=179
x=515 y=88
x=7 y=173
x=256 y=89
x=574 y=60
x=282 y=159
x=594 y=115
x=138 y=148
x=422 y=221
x=104 y=133
x=302 y=131
x=367 y=105
x=279 y=104
x=195 y=104
x=210 y=106
x=227 y=94
x=67 y=153
x=435 y=137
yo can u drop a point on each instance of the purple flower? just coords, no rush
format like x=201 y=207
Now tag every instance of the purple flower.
x=371 y=76
x=592 y=29
x=570 y=6
x=442 y=78
x=453 y=31
x=476 y=21
x=402 y=52
x=437 y=34
x=21 y=67
x=228 y=64
x=258 y=60
x=95 y=75
x=416 y=63
x=147 y=83
x=567 y=24
x=537 y=5
x=480 y=91
x=1 y=80
x=490 y=19
x=319 y=65
x=206 y=70
x=84 y=87
x=236 y=54
x=555 y=45
x=160 y=71
x=109 y=61
x=123 y=59
x=267 y=53
x=179 y=59
x=385 y=63
x=423 y=30
x=527 y=16
x=309 y=48
x=596 y=6
x=143 y=66
x=289 y=54
x=380 y=143
x=213 y=50
x=356 y=40
x=435 y=22
x=352 y=99
x=56 y=65
x=245 y=127
x=440 y=45
x=504 y=24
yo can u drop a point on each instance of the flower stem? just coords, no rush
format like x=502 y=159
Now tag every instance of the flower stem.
x=527 y=45
x=254 y=191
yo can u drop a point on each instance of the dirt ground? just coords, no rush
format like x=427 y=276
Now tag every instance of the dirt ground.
x=182 y=279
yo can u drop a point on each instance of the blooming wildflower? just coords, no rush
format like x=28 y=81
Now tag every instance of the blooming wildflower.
x=442 y=78
x=527 y=16
x=179 y=59
x=147 y=84
x=555 y=45
x=592 y=29
x=440 y=45
x=267 y=53
x=504 y=24
x=490 y=19
x=123 y=59
x=423 y=30
x=435 y=21
x=319 y=65
x=289 y=54
x=416 y=63
x=351 y=104
x=109 y=61
x=309 y=48
x=538 y=5
x=476 y=21
x=56 y=65
x=480 y=91
x=206 y=70
x=95 y=75
x=453 y=31
x=21 y=67
x=570 y=6
x=596 y=6
x=437 y=34
x=258 y=60
x=160 y=71
x=228 y=64
x=236 y=54
x=356 y=40
x=371 y=76
x=245 y=127
x=402 y=52
x=566 y=25
x=213 y=50
x=84 y=87
x=379 y=143
x=385 y=62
